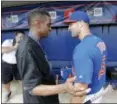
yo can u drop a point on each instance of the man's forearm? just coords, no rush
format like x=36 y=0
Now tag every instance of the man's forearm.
x=7 y=49
x=45 y=90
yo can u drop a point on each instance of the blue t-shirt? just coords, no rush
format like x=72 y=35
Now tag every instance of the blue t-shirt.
x=89 y=62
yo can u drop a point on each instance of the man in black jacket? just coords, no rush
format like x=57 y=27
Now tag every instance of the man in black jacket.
x=37 y=78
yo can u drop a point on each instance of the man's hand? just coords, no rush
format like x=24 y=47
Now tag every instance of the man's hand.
x=16 y=45
x=82 y=89
x=69 y=85
x=80 y=96
x=70 y=88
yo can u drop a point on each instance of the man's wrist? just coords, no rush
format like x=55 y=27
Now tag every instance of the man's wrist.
x=64 y=88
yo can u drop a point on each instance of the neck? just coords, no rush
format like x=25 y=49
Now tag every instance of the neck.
x=84 y=33
x=34 y=33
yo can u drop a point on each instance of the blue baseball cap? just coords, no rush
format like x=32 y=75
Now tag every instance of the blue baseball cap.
x=77 y=16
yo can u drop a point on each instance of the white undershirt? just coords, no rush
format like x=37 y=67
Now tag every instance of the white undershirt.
x=9 y=57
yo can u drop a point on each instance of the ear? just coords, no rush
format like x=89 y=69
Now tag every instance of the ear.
x=36 y=23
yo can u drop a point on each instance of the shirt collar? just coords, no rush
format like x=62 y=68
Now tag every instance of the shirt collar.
x=90 y=35
x=33 y=37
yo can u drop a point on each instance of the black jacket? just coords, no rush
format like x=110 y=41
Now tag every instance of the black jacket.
x=34 y=70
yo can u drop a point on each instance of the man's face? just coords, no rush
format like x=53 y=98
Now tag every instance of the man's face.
x=19 y=37
x=45 y=27
x=74 y=28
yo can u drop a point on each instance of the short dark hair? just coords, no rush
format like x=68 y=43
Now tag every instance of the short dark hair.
x=17 y=32
x=37 y=12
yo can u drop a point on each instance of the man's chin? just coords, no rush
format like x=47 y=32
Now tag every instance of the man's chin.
x=45 y=36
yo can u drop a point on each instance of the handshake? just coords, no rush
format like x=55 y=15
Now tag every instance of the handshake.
x=69 y=78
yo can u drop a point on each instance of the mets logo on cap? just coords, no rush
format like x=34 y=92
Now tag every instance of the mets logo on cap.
x=68 y=12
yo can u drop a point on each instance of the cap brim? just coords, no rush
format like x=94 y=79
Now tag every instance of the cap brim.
x=69 y=21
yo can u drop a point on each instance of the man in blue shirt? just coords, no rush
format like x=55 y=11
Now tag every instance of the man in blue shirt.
x=89 y=56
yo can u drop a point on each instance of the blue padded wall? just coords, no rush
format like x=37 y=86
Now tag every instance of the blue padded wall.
x=59 y=45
